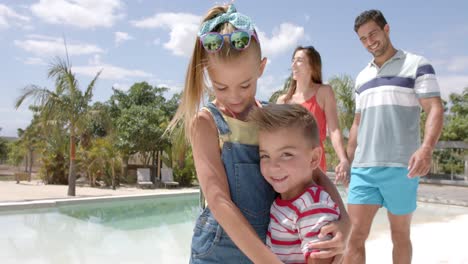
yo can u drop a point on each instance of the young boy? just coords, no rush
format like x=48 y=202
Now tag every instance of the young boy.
x=289 y=153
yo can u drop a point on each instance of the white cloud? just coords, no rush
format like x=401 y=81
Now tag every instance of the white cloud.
x=79 y=13
x=283 y=39
x=13 y=119
x=8 y=16
x=173 y=85
x=121 y=86
x=452 y=84
x=157 y=41
x=183 y=29
x=45 y=46
x=454 y=76
x=268 y=84
x=121 y=37
x=34 y=61
x=458 y=64
x=109 y=72
x=454 y=64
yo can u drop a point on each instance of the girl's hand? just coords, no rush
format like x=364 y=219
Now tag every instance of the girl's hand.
x=337 y=245
x=342 y=173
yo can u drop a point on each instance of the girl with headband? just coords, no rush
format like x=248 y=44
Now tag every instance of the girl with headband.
x=226 y=64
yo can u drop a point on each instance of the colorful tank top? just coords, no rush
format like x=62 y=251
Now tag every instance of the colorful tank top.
x=312 y=105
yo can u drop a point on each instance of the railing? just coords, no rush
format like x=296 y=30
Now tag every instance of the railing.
x=450 y=161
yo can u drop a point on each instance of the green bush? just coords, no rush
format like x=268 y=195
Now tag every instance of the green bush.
x=54 y=169
x=449 y=161
x=186 y=174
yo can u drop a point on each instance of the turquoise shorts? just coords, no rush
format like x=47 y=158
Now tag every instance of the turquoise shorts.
x=384 y=186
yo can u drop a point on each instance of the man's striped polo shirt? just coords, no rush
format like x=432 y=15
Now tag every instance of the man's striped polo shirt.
x=387 y=99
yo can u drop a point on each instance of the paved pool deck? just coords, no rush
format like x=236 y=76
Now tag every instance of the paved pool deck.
x=35 y=192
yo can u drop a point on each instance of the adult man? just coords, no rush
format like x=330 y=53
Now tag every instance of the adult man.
x=384 y=142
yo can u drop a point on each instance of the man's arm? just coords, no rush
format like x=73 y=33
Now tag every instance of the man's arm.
x=420 y=162
x=352 y=140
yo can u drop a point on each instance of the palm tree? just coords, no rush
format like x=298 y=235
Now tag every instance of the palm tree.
x=67 y=103
x=343 y=86
x=284 y=90
x=102 y=157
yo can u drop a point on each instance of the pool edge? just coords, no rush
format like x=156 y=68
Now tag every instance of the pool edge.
x=55 y=203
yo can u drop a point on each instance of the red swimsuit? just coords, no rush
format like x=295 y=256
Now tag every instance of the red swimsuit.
x=312 y=105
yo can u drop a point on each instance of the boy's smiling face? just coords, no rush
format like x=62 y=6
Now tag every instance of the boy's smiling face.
x=287 y=160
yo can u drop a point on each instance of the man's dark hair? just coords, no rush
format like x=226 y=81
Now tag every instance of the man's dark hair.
x=369 y=15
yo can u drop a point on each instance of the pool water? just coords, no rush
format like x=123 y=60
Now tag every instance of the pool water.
x=156 y=230
x=159 y=230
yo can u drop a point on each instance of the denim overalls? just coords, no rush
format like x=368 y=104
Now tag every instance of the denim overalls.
x=249 y=191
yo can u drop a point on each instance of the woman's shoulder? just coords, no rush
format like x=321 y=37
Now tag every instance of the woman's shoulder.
x=325 y=93
x=325 y=89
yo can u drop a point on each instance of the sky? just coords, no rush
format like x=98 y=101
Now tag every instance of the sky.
x=151 y=40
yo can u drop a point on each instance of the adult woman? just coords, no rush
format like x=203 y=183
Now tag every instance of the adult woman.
x=307 y=88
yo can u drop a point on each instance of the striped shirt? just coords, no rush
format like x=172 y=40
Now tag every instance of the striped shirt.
x=296 y=222
x=387 y=99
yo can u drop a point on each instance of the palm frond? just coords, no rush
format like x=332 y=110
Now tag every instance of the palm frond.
x=89 y=91
x=65 y=80
x=39 y=95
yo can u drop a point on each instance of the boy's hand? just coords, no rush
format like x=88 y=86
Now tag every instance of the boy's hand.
x=335 y=246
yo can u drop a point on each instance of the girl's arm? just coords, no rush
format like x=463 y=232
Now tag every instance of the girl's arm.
x=214 y=184
x=342 y=169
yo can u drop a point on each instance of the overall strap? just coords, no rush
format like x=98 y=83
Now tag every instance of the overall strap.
x=220 y=122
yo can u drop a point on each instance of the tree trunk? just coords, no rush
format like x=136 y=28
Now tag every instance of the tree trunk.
x=31 y=160
x=91 y=177
x=26 y=163
x=125 y=159
x=71 y=173
x=181 y=158
x=466 y=168
x=158 y=170
x=113 y=176
x=154 y=169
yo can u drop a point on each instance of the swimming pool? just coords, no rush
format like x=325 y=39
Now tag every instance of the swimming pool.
x=159 y=229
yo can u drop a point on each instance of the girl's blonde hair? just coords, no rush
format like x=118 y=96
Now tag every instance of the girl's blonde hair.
x=315 y=62
x=196 y=88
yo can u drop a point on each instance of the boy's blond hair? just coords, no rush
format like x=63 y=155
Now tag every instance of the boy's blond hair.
x=272 y=117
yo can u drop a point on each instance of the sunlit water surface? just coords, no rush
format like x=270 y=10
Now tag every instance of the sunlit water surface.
x=159 y=230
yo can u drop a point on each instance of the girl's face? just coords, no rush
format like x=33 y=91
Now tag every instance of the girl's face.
x=301 y=66
x=235 y=81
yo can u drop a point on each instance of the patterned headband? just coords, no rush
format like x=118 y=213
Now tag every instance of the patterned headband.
x=238 y=20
